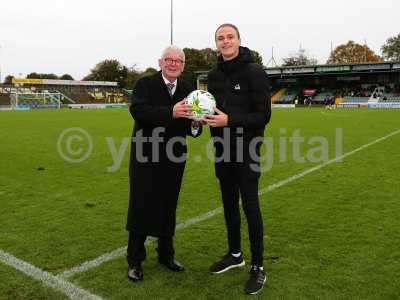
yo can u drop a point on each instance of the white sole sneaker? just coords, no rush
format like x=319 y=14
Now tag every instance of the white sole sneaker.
x=243 y=263
x=256 y=292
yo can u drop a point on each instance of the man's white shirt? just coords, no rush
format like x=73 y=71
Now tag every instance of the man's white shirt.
x=175 y=83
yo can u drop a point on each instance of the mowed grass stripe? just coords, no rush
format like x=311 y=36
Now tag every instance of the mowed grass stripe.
x=121 y=251
x=45 y=220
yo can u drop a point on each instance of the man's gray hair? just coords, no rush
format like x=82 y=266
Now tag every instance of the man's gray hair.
x=173 y=48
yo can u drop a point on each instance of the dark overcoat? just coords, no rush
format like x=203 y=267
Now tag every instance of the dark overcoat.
x=158 y=152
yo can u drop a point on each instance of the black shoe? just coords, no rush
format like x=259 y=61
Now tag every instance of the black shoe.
x=227 y=262
x=172 y=264
x=256 y=281
x=135 y=273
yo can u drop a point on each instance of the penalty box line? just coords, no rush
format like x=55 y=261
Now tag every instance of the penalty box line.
x=59 y=284
x=90 y=264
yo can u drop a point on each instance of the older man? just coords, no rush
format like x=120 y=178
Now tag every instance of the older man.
x=162 y=121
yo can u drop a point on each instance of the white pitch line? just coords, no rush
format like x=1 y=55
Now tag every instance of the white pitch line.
x=122 y=251
x=63 y=286
x=90 y=264
x=316 y=168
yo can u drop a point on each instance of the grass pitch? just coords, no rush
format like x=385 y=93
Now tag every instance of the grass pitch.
x=332 y=234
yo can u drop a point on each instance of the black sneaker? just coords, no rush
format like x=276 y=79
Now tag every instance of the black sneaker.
x=227 y=262
x=256 y=281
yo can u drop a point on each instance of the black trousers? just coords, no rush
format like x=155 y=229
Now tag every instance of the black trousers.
x=238 y=179
x=136 y=252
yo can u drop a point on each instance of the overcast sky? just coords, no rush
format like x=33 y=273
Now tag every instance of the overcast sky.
x=71 y=36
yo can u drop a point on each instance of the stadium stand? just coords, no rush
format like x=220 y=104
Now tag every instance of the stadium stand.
x=353 y=84
x=288 y=96
x=320 y=97
x=349 y=99
x=69 y=91
x=277 y=94
x=4 y=99
x=389 y=97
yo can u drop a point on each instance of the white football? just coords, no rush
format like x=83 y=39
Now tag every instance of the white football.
x=202 y=103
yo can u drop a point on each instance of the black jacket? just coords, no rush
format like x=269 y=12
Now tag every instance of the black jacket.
x=242 y=91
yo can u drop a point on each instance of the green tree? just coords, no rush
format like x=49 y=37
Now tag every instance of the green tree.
x=132 y=76
x=391 y=49
x=49 y=76
x=8 y=79
x=351 y=53
x=257 y=57
x=300 y=58
x=149 y=71
x=35 y=75
x=109 y=70
x=198 y=60
x=66 y=77
x=210 y=56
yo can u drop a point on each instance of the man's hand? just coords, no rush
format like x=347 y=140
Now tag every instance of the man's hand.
x=182 y=110
x=218 y=120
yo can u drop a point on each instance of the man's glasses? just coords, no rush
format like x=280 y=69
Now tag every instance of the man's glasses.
x=171 y=61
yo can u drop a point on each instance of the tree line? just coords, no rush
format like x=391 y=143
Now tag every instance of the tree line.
x=114 y=70
x=206 y=59
x=349 y=53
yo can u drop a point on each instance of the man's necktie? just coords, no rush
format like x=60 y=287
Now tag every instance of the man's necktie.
x=170 y=87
